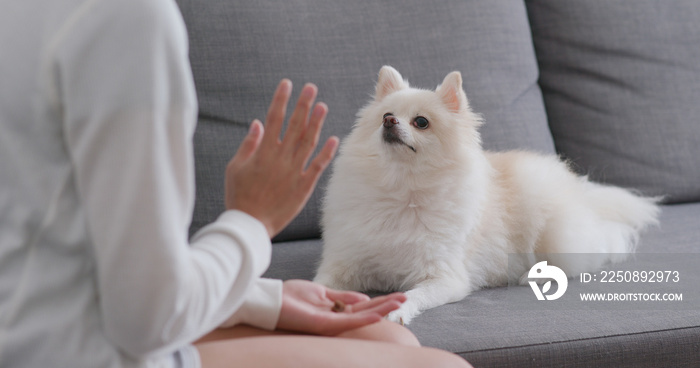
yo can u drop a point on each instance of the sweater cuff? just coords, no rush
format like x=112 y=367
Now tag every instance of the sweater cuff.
x=255 y=234
x=262 y=306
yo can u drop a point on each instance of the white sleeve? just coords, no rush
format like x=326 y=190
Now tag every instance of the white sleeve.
x=124 y=87
x=261 y=307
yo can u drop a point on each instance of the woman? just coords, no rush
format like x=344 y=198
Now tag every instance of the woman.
x=97 y=112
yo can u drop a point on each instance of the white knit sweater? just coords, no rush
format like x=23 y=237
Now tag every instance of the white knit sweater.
x=97 y=113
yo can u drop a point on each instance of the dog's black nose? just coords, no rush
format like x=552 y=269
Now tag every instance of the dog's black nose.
x=390 y=121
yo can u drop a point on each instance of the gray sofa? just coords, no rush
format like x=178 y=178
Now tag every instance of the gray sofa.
x=612 y=86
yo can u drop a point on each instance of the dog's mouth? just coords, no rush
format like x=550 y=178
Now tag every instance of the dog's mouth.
x=390 y=133
x=390 y=136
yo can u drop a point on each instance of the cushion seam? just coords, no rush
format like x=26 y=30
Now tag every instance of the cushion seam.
x=576 y=340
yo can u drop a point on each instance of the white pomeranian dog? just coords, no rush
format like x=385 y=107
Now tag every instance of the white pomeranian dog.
x=415 y=204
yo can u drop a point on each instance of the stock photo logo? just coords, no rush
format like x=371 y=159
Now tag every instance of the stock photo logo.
x=543 y=274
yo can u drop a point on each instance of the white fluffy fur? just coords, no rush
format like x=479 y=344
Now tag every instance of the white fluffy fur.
x=439 y=222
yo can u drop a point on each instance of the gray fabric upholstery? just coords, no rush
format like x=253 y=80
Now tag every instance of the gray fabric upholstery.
x=662 y=348
x=621 y=82
x=240 y=50
x=489 y=330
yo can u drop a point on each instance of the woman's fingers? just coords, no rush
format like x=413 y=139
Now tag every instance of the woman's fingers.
x=346 y=297
x=298 y=122
x=276 y=113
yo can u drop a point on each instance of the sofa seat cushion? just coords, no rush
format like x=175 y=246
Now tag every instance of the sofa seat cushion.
x=490 y=327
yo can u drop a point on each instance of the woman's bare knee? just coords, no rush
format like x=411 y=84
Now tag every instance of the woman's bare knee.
x=385 y=331
x=237 y=332
x=310 y=351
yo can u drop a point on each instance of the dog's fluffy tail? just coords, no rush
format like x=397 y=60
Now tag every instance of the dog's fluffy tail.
x=609 y=234
x=624 y=213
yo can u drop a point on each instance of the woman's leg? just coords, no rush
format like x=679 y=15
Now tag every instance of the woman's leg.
x=281 y=351
x=384 y=330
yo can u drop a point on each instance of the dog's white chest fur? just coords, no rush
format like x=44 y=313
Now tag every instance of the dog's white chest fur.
x=386 y=239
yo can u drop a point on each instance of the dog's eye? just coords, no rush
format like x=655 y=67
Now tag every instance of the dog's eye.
x=421 y=122
x=387 y=114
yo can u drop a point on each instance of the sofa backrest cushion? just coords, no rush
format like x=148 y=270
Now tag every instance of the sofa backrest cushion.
x=239 y=50
x=621 y=83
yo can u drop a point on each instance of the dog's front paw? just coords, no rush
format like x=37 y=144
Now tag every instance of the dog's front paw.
x=403 y=315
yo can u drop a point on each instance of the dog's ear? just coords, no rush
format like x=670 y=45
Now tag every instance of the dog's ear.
x=389 y=81
x=451 y=92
